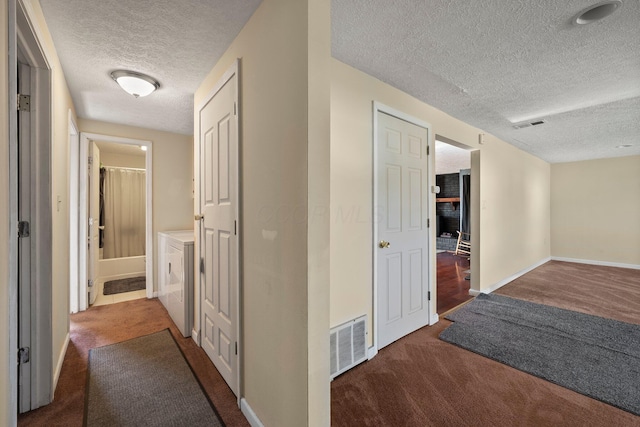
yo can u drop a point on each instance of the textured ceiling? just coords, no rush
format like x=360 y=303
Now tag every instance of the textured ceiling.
x=490 y=63
x=176 y=42
x=450 y=159
x=496 y=63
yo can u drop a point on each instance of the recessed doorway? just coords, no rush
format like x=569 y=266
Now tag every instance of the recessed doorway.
x=453 y=223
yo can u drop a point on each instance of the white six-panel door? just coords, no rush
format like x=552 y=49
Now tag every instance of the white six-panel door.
x=218 y=235
x=402 y=243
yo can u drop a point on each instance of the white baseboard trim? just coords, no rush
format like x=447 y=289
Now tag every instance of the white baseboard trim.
x=593 y=262
x=155 y=295
x=56 y=374
x=372 y=352
x=248 y=413
x=195 y=337
x=509 y=279
x=434 y=319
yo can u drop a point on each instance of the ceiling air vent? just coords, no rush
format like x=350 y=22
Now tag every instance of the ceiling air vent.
x=528 y=124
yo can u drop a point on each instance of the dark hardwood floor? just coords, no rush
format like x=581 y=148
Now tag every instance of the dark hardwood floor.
x=453 y=289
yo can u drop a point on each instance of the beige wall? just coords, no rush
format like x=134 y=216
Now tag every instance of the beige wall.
x=276 y=135
x=8 y=403
x=122 y=160
x=172 y=175
x=595 y=210
x=511 y=213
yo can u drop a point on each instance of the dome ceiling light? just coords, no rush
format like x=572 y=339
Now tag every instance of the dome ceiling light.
x=597 y=12
x=136 y=84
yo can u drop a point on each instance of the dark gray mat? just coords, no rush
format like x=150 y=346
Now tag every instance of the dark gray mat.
x=124 y=285
x=145 y=381
x=591 y=355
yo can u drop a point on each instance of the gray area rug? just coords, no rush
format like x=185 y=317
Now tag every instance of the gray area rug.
x=145 y=381
x=124 y=285
x=591 y=355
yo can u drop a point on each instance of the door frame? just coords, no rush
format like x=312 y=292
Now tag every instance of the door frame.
x=233 y=70
x=433 y=315
x=74 y=164
x=83 y=226
x=25 y=38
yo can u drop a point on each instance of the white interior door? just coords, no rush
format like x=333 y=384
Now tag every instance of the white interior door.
x=94 y=220
x=402 y=244
x=218 y=231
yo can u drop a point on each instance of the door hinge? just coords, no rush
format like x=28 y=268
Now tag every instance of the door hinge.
x=24 y=355
x=429 y=296
x=90 y=283
x=202 y=265
x=235 y=109
x=90 y=160
x=428 y=223
x=24 y=103
x=235 y=228
x=236 y=348
x=23 y=229
x=427 y=150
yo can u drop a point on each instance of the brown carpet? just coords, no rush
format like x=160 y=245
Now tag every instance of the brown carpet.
x=422 y=381
x=114 y=323
x=602 y=291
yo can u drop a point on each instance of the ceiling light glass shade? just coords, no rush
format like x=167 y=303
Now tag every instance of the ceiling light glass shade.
x=597 y=12
x=136 y=84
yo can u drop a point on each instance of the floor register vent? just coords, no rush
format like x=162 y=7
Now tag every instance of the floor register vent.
x=348 y=344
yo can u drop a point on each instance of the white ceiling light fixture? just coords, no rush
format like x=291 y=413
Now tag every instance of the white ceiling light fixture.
x=143 y=147
x=597 y=12
x=136 y=84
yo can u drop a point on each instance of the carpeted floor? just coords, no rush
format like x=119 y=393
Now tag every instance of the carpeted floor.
x=608 y=292
x=423 y=381
x=114 y=323
x=145 y=381
x=592 y=355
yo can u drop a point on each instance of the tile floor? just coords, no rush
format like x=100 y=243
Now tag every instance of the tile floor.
x=112 y=299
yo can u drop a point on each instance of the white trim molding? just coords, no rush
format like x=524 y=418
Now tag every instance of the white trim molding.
x=248 y=413
x=378 y=107
x=56 y=374
x=509 y=279
x=85 y=139
x=594 y=262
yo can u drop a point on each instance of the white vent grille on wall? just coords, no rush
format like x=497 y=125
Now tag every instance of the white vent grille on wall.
x=348 y=344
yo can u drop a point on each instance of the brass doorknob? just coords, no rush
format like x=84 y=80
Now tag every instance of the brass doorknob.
x=384 y=244
x=199 y=217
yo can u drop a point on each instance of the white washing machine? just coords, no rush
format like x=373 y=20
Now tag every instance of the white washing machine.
x=175 y=277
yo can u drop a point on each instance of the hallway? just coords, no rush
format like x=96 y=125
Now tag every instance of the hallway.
x=109 y=324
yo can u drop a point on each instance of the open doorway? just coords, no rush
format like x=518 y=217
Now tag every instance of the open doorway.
x=453 y=223
x=115 y=220
x=118 y=194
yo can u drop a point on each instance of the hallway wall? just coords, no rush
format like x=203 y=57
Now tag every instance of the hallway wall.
x=284 y=174
x=512 y=210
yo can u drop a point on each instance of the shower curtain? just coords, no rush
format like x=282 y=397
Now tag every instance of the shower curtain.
x=124 y=212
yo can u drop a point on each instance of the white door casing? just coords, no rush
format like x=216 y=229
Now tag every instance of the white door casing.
x=401 y=259
x=219 y=230
x=94 y=219
x=24 y=243
x=86 y=139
